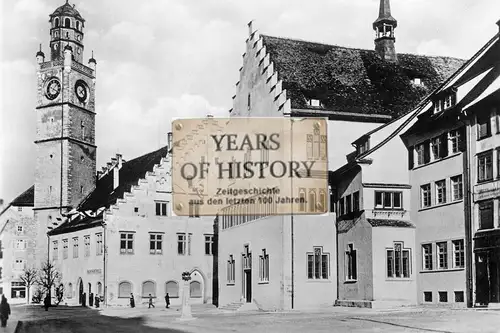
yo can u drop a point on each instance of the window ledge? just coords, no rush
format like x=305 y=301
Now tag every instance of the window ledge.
x=442 y=270
x=486 y=181
x=399 y=279
x=230 y=284
x=319 y=280
x=441 y=205
x=436 y=161
x=263 y=282
x=484 y=137
x=350 y=281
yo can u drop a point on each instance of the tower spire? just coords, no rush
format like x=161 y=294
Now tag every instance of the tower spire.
x=384 y=27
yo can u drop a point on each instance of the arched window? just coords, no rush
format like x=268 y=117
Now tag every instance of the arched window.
x=322 y=199
x=69 y=292
x=302 y=198
x=195 y=289
x=67 y=23
x=312 y=201
x=99 y=288
x=148 y=287
x=56 y=22
x=124 y=289
x=172 y=288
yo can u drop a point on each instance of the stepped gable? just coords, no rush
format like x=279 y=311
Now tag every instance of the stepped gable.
x=129 y=175
x=355 y=80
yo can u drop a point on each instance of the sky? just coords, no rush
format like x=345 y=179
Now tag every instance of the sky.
x=164 y=59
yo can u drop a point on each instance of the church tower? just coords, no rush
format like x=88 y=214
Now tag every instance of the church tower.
x=65 y=127
x=384 y=27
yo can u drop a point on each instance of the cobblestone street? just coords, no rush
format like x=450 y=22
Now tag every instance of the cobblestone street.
x=209 y=319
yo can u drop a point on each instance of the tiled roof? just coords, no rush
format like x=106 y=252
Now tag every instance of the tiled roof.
x=26 y=199
x=390 y=223
x=354 y=80
x=104 y=195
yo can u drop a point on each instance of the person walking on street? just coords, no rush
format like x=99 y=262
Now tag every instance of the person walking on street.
x=97 y=299
x=167 y=300
x=4 y=311
x=84 y=300
x=46 y=302
x=151 y=302
x=132 y=301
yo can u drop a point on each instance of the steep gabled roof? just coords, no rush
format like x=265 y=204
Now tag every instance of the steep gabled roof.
x=104 y=195
x=25 y=199
x=354 y=80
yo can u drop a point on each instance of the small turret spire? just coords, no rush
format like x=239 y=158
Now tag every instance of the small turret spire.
x=384 y=27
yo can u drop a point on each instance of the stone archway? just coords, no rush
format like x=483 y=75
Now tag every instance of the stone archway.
x=197 y=275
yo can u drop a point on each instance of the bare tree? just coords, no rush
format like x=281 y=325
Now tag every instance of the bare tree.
x=47 y=278
x=29 y=277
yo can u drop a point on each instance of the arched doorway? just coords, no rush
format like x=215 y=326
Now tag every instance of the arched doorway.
x=80 y=292
x=198 y=287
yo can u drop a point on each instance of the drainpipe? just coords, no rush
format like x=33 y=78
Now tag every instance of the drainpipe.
x=468 y=218
x=105 y=254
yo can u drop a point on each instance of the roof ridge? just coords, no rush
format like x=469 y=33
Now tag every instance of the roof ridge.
x=356 y=48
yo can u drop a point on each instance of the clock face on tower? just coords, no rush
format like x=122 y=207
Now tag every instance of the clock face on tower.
x=53 y=88
x=81 y=91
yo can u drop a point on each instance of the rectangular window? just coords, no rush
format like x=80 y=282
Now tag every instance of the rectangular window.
x=458 y=253
x=348 y=204
x=55 y=250
x=126 y=242
x=230 y=270
x=194 y=210
x=425 y=195
x=438 y=106
x=264 y=267
x=457 y=190
x=427 y=257
x=485 y=166
x=86 y=240
x=75 y=247
x=341 y=207
x=161 y=208
x=436 y=148
x=355 y=201
x=440 y=192
x=20 y=227
x=98 y=237
x=448 y=101
x=427 y=296
x=486 y=214
x=455 y=138
x=483 y=125
x=352 y=269
x=18 y=264
x=398 y=261
x=20 y=244
x=65 y=249
x=318 y=264
x=209 y=244
x=155 y=242
x=388 y=200
x=420 y=149
x=442 y=250
x=459 y=296
x=443 y=296
x=181 y=244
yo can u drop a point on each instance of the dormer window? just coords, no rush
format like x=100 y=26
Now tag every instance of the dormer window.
x=314 y=102
x=444 y=101
x=363 y=147
x=417 y=81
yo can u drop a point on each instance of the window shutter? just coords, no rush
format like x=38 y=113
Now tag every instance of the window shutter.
x=443 y=151
x=462 y=142
x=411 y=153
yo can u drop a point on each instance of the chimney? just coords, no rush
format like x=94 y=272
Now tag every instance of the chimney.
x=498 y=23
x=116 y=170
x=169 y=140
